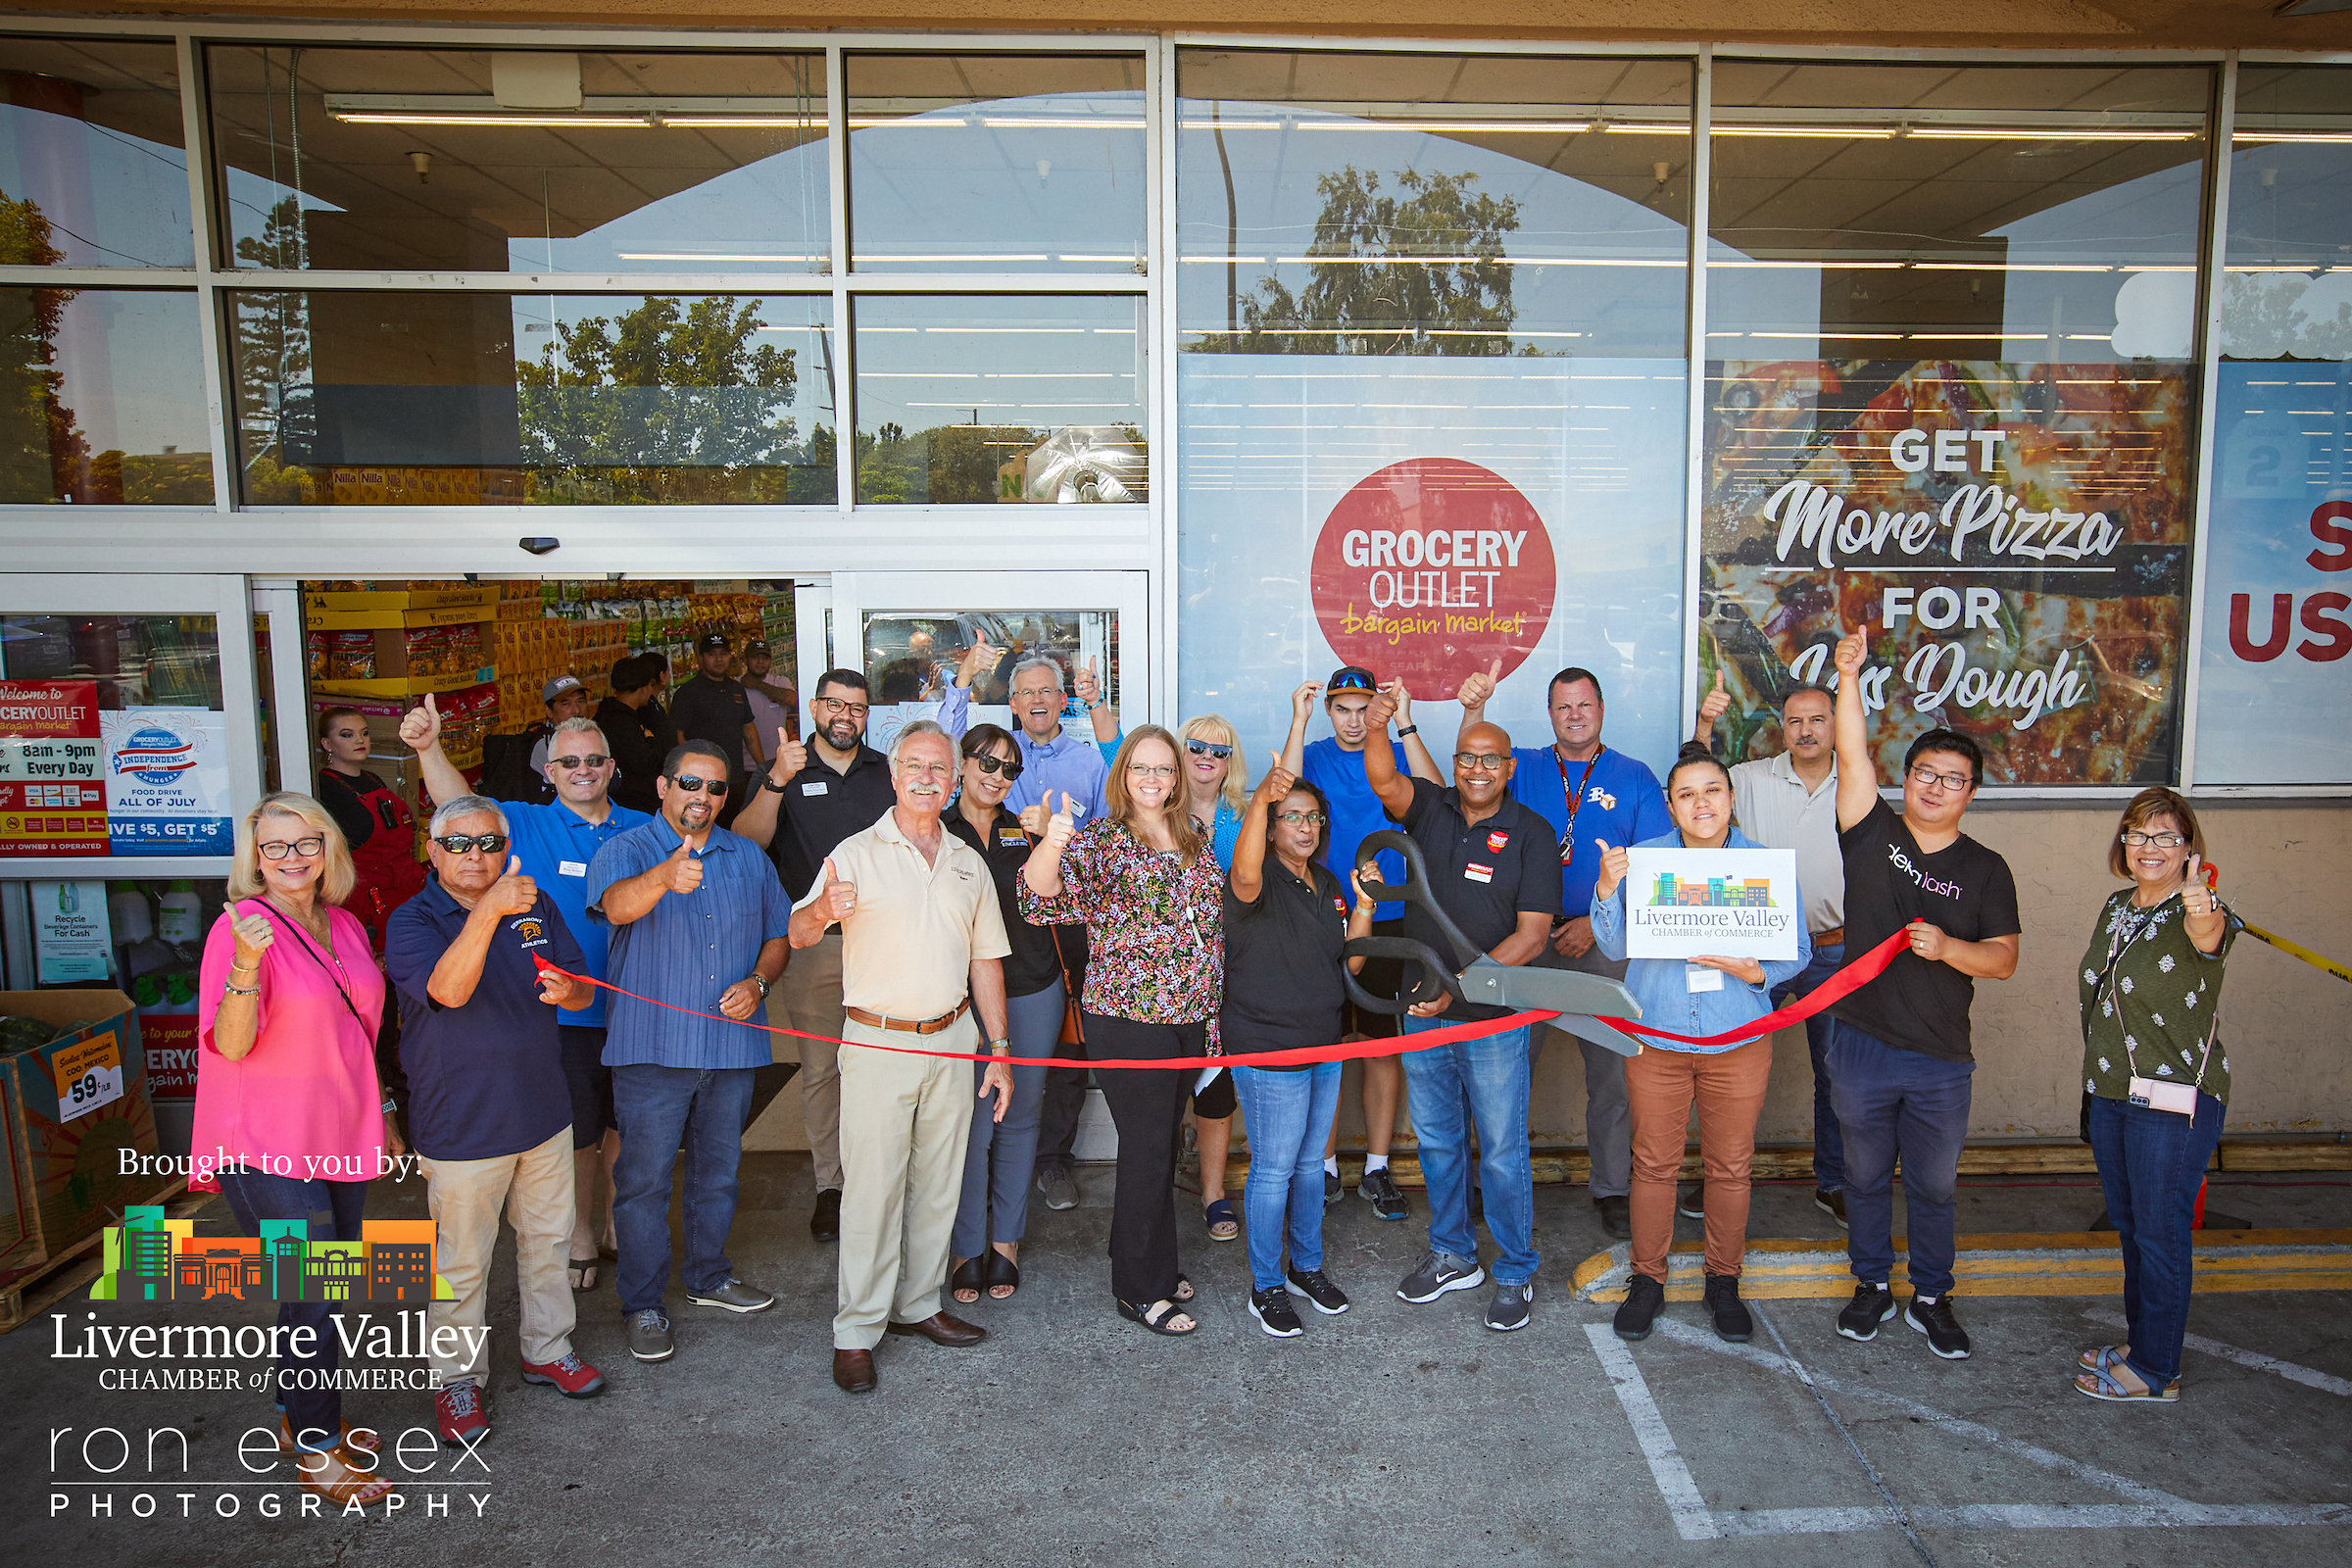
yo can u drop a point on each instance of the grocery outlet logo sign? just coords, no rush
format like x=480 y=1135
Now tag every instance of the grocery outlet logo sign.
x=154 y=756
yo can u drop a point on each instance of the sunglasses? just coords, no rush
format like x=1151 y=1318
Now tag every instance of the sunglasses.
x=1209 y=749
x=304 y=848
x=1353 y=679
x=998 y=765
x=594 y=759
x=714 y=787
x=462 y=843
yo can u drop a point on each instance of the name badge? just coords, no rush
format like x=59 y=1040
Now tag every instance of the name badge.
x=813 y=789
x=1472 y=871
x=571 y=868
x=1013 y=841
x=1697 y=977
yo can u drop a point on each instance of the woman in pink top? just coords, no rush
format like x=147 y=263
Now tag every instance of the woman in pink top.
x=287 y=1103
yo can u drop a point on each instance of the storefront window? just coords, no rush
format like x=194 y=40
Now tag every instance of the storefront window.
x=996 y=162
x=1001 y=397
x=911 y=657
x=1951 y=400
x=104 y=398
x=1432 y=385
x=521 y=160
x=93 y=172
x=2275 y=610
x=463 y=399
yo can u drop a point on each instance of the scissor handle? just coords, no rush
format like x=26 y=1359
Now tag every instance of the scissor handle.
x=1415 y=890
x=1430 y=978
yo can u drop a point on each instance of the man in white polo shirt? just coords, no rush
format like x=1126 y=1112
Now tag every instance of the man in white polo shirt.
x=1789 y=801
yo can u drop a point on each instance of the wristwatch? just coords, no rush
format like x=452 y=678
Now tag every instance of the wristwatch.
x=760 y=981
x=993 y=1045
x=770 y=785
x=1409 y=729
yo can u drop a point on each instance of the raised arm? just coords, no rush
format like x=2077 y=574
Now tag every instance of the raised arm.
x=1302 y=709
x=1711 y=708
x=765 y=807
x=421 y=730
x=1418 y=759
x=1249 y=874
x=1858 y=775
x=1105 y=719
x=1477 y=690
x=1395 y=789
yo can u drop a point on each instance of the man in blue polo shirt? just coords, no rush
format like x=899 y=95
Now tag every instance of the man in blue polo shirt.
x=699 y=922
x=487 y=1108
x=557 y=841
x=1588 y=794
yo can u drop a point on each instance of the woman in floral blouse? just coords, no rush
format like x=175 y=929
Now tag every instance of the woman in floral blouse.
x=2151 y=1042
x=1150 y=893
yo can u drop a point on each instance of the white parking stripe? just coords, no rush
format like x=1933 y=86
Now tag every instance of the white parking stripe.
x=2030 y=1516
x=2230 y=1353
x=1689 y=1510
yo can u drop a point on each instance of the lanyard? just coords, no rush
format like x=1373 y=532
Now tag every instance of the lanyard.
x=1576 y=799
x=2116 y=942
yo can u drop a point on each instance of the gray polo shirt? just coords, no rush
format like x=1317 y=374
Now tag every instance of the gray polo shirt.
x=1775 y=810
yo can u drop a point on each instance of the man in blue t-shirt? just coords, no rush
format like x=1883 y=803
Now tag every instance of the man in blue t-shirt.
x=488 y=1110
x=1590 y=795
x=1335 y=765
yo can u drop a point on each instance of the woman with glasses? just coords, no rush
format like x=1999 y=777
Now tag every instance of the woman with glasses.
x=1143 y=880
x=377 y=822
x=2155 y=1079
x=993 y=1213
x=287 y=1095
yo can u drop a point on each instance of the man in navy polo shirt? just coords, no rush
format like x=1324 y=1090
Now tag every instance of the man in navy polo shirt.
x=1588 y=794
x=488 y=1111
x=556 y=842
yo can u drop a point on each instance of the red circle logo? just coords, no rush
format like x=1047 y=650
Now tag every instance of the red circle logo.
x=1430 y=569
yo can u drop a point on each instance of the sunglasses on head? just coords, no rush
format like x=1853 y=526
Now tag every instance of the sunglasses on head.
x=714 y=787
x=462 y=843
x=1209 y=749
x=1353 y=679
x=593 y=760
x=998 y=765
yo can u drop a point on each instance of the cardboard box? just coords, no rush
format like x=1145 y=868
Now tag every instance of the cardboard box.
x=71 y=1108
x=393 y=620
x=404 y=599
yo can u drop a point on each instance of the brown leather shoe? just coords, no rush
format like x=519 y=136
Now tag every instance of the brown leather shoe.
x=853 y=1371
x=941 y=1328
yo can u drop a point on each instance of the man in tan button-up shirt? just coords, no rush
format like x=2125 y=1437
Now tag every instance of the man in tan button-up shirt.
x=922 y=941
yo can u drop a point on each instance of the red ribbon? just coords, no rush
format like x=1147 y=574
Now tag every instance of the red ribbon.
x=1844 y=983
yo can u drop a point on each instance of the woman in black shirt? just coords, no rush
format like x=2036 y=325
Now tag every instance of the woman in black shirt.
x=1283 y=927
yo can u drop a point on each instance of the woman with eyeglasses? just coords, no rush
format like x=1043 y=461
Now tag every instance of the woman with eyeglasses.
x=993 y=1213
x=287 y=1095
x=1143 y=880
x=2155 y=1079
x=377 y=822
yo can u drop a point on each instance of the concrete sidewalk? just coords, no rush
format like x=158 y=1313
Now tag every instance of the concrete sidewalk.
x=1393 y=1435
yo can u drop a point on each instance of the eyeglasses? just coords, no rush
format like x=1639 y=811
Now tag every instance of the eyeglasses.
x=854 y=710
x=1154 y=770
x=1209 y=749
x=2163 y=841
x=1030 y=694
x=1302 y=818
x=998 y=765
x=1925 y=776
x=462 y=843
x=595 y=759
x=1353 y=679
x=1480 y=761
x=714 y=787
x=278 y=850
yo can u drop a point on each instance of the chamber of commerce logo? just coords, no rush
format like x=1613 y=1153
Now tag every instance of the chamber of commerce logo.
x=1715 y=893
x=152 y=1258
x=154 y=755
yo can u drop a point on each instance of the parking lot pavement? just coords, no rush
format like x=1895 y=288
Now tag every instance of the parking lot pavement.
x=1392 y=1435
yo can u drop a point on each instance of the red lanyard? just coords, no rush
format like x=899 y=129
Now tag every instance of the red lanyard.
x=1576 y=799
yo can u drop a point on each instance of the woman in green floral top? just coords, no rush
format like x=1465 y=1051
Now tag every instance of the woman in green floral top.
x=2151 y=986
x=1151 y=896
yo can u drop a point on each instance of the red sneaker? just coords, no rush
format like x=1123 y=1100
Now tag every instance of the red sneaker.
x=459 y=1412
x=569 y=1376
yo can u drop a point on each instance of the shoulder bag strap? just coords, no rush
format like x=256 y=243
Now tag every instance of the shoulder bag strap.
x=319 y=958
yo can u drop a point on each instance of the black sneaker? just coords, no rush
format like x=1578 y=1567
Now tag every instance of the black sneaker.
x=1872 y=1305
x=1945 y=1336
x=1692 y=1201
x=1832 y=1204
x=1333 y=1192
x=1380 y=1190
x=1274 y=1313
x=1328 y=1298
x=1643 y=1297
x=1508 y=1308
x=1731 y=1321
x=1435 y=1274
x=1616 y=1217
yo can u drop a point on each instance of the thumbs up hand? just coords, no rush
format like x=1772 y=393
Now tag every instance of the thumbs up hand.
x=1716 y=703
x=1088 y=684
x=2196 y=898
x=512 y=894
x=1478 y=687
x=791 y=756
x=420 y=729
x=1614 y=864
x=254 y=933
x=1277 y=785
x=1061 y=826
x=683 y=872
x=839 y=898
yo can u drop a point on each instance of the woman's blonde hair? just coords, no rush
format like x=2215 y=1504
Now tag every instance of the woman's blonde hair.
x=335 y=880
x=1120 y=806
x=1217 y=731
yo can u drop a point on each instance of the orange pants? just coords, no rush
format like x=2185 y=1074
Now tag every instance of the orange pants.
x=1659 y=1089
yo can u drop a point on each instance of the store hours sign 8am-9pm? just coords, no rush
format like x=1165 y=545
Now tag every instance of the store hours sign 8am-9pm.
x=2013 y=539
x=52 y=778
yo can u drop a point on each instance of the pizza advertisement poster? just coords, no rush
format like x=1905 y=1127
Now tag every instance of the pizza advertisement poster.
x=1717 y=903
x=2013 y=539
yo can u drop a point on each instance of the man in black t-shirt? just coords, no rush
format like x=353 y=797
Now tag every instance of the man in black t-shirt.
x=1901 y=1065
x=714 y=708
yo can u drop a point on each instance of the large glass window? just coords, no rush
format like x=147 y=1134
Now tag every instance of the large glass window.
x=1001 y=397
x=1951 y=400
x=521 y=160
x=2277 y=621
x=93 y=172
x=368 y=398
x=1432 y=385
x=912 y=655
x=102 y=398
x=995 y=163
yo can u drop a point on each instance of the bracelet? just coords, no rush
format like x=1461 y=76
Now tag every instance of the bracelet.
x=1409 y=729
x=760 y=981
x=390 y=1104
x=993 y=1044
x=228 y=990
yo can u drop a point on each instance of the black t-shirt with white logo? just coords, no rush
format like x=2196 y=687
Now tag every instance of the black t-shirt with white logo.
x=1963 y=889
x=1485 y=874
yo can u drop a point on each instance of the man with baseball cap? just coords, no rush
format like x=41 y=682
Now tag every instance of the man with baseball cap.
x=773 y=701
x=714 y=708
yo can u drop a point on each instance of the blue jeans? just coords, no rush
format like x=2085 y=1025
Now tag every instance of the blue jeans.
x=657 y=1108
x=1900 y=1105
x=332 y=1211
x=1829 y=1145
x=1491 y=1075
x=1287 y=1116
x=2151 y=1163
x=996 y=1162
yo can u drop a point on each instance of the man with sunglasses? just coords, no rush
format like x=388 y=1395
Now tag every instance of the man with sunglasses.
x=700 y=927
x=1902 y=1065
x=810 y=798
x=713 y=707
x=556 y=842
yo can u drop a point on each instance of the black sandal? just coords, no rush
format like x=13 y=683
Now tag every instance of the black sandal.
x=1155 y=1317
x=583 y=1272
x=967 y=1276
x=1000 y=1270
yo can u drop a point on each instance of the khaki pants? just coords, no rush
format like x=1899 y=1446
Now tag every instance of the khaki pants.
x=905 y=1123
x=811 y=993
x=1728 y=1087
x=465 y=1196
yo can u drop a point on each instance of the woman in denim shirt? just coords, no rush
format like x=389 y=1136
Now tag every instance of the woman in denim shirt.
x=1727 y=1082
